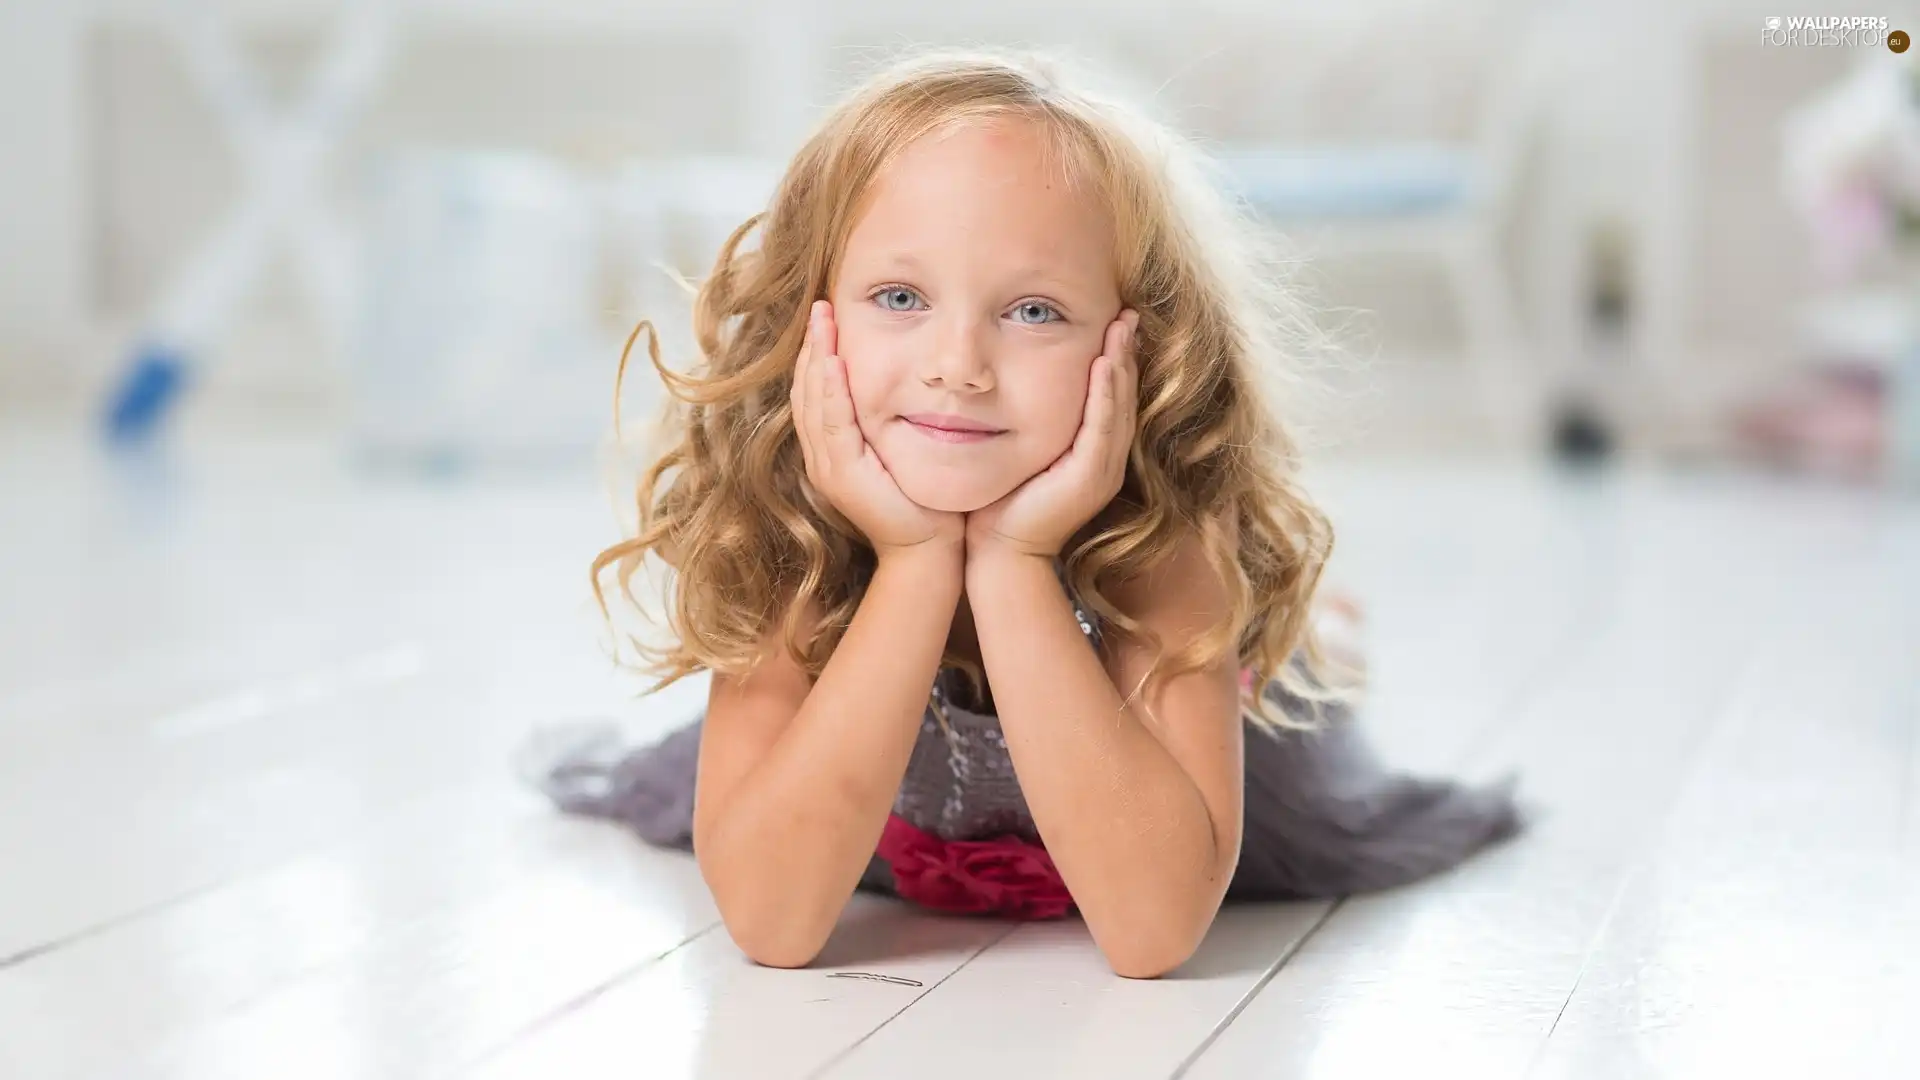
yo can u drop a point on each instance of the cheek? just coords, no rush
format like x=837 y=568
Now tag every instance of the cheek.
x=871 y=370
x=1056 y=403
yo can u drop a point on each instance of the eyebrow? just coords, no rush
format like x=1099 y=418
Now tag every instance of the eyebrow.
x=901 y=260
x=906 y=262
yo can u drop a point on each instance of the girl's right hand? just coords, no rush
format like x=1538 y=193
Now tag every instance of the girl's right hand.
x=842 y=465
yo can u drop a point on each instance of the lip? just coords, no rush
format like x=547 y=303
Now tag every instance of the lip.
x=947 y=427
x=951 y=422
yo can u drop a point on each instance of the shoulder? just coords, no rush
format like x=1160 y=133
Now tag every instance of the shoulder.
x=1185 y=585
x=1177 y=667
x=774 y=661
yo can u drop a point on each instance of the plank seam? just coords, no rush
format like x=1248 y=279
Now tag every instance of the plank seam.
x=836 y=1060
x=1260 y=984
x=1733 y=708
x=579 y=1001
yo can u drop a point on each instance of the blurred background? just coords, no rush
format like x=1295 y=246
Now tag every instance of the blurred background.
x=422 y=228
x=309 y=318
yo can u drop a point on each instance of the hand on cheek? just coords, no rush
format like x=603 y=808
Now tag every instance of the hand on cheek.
x=842 y=466
x=1036 y=518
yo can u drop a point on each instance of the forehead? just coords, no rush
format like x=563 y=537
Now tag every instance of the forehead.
x=1002 y=189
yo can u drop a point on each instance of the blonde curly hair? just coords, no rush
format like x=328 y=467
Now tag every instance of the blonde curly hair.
x=727 y=504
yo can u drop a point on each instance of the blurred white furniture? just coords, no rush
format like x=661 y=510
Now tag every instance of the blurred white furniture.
x=671 y=215
x=283 y=159
x=477 y=338
x=1433 y=197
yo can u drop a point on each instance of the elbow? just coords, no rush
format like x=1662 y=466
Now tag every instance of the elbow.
x=1150 y=941
x=774 y=938
x=774 y=934
x=779 y=929
x=777 y=951
x=1153 y=947
x=774 y=931
x=1150 y=959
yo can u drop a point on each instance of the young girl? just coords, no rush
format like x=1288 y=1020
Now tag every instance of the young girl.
x=980 y=414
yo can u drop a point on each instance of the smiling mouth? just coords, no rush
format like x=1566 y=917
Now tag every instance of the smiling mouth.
x=951 y=435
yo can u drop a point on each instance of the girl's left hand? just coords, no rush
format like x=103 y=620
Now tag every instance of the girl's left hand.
x=1037 y=517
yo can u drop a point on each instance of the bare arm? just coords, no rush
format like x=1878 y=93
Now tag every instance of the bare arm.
x=795 y=783
x=1142 y=814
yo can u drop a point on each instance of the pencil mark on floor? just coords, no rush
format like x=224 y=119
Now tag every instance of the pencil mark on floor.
x=894 y=979
x=836 y=1059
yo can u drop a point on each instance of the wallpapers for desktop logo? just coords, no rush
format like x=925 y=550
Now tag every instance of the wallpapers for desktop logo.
x=1832 y=31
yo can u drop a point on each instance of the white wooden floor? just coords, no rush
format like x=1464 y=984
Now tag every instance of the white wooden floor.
x=258 y=819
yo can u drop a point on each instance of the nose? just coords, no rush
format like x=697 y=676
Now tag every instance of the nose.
x=961 y=357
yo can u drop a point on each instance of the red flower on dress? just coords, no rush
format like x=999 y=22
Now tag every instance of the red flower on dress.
x=1002 y=876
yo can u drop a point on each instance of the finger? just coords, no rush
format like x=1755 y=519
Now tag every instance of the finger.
x=1120 y=440
x=826 y=329
x=838 y=431
x=844 y=439
x=1098 y=415
x=802 y=393
x=1124 y=379
x=1085 y=438
x=1119 y=350
x=820 y=419
x=1107 y=400
x=1115 y=342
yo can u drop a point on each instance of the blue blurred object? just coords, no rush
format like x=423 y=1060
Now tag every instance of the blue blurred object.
x=282 y=150
x=148 y=390
x=1338 y=181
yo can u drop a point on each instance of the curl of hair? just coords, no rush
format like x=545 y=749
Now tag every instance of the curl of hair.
x=727 y=505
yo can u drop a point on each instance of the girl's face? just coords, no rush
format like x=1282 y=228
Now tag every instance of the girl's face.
x=974 y=291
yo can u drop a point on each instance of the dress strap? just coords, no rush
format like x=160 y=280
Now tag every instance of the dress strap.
x=1089 y=622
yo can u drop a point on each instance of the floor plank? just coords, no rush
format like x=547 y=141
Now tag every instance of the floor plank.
x=239 y=723
x=1778 y=903
x=158 y=818
x=1468 y=972
x=1042 y=1002
x=466 y=917
x=708 y=1011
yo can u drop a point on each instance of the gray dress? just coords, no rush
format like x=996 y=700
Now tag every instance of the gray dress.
x=1323 y=817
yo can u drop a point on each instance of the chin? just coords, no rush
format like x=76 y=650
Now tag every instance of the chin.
x=957 y=482
x=945 y=494
x=946 y=485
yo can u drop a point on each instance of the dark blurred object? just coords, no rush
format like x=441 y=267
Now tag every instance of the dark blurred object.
x=1581 y=436
x=1582 y=430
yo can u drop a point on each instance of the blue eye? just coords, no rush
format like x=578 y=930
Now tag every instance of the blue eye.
x=897 y=298
x=1036 y=313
